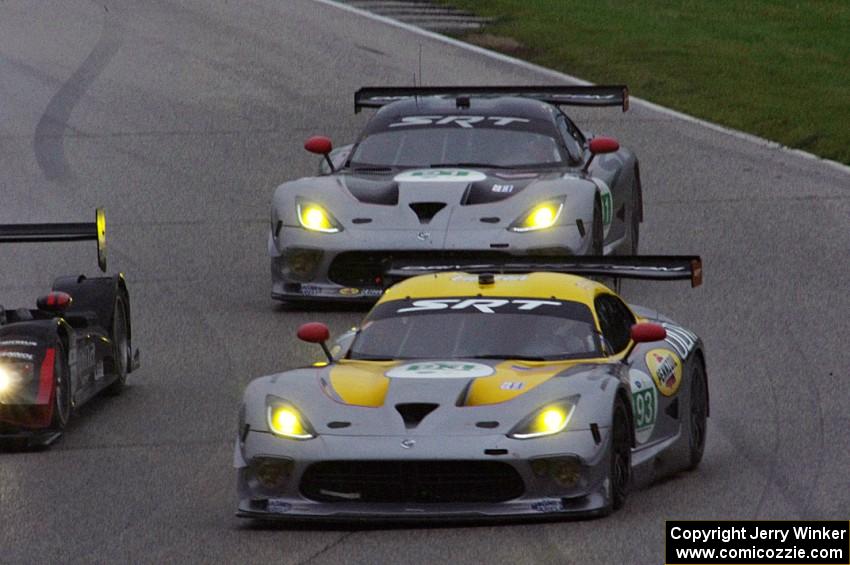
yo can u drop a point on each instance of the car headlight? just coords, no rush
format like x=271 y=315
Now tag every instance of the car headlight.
x=540 y=216
x=548 y=420
x=12 y=376
x=314 y=217
x=7 y=379
x=286 y=421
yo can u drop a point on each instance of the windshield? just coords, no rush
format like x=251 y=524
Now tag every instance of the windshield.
x=490 y=328
x=443 y=146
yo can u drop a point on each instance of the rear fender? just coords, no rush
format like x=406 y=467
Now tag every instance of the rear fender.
x=97 y=295
x=90 y=295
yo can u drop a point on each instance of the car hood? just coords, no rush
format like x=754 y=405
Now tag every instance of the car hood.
x=458 y=382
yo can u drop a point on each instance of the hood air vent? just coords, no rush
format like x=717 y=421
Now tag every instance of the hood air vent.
x=414 y=412
x=425 y=211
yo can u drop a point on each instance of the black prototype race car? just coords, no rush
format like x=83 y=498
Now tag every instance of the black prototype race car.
x=75 y=344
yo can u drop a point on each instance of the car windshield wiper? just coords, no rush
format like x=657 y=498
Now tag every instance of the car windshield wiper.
x=479 y=165
x=512 y=357
x=361 y=357
x=372 y=169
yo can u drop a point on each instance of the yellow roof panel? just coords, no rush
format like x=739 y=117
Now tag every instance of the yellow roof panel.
x=531 y=285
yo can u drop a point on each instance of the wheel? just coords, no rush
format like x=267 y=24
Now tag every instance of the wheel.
x=597 y=231
x=120 y=348
x=686 y=454
x=698 y=417
x=630 y=247
x=620 y=472
x=61 y=391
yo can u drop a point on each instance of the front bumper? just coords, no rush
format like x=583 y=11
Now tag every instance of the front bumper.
x=582 y=491
x=347 y=266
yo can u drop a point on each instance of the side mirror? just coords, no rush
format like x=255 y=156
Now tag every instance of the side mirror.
x=645 y=332
x=54 y=302
x=320 y=145
x=601 y=145
x=316 y=332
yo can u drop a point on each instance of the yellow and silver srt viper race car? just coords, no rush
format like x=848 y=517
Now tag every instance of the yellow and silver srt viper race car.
x=516 y=389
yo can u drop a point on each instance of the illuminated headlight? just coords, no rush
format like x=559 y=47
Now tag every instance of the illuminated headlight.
x=540 y=217
x=314 y=217
x=286 y=421
x=7 y=379
x=548 y=420
x=12 y=376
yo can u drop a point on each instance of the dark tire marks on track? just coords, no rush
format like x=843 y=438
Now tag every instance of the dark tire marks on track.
x=49 y=139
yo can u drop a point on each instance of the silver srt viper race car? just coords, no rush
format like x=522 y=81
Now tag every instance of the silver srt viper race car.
x=498 y=171
x=470 y=394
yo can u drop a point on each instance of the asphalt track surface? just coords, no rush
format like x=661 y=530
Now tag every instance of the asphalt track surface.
x=180 y=118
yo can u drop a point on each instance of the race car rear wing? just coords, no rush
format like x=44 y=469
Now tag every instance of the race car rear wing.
x=650 y=267
x=607 y=95
x=82 y=231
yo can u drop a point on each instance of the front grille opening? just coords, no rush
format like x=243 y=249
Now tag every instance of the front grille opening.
x=426 y=211
x=411 y=481
x=414 y=412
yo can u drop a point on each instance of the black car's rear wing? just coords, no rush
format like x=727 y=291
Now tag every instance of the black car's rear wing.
x=82 y=231
x=607 y=95
x=651 y=267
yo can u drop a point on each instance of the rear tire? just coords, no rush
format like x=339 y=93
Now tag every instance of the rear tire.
x=698 y=417
x=61 y=391
x=597 y=242
x=120 y=348
x=687 y=453
x=630 y=247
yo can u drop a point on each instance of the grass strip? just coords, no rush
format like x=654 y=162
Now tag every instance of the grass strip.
x=777 y=68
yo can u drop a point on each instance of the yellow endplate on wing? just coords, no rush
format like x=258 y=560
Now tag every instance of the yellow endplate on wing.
x=361 y=383
x=511 y=379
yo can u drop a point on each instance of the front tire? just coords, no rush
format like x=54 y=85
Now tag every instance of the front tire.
x=620 y=461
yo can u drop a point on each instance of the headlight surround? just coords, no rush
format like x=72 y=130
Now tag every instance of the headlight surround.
x=284 y=420
x=547 y=420
x=540 y=216
x=314 y=217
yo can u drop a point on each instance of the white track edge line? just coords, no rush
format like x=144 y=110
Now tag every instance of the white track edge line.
x=841 y=167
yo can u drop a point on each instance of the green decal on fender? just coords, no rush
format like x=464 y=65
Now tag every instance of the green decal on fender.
x=644 y=404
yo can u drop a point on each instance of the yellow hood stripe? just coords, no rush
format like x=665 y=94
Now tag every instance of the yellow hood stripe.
x=364 y=383
x=361 y=383
x=511 y=379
